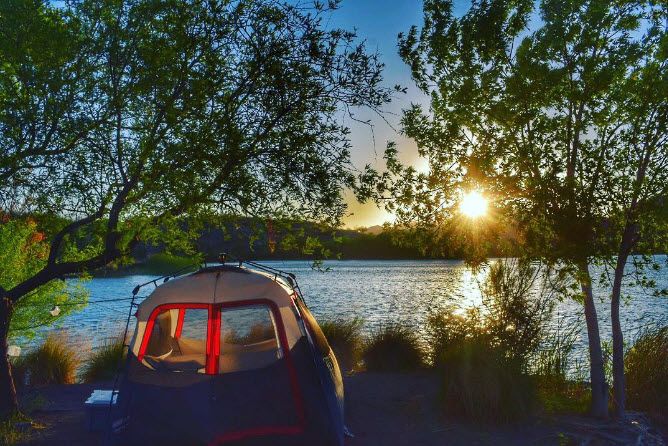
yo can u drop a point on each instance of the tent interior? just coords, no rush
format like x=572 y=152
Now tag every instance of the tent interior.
x=248 y=340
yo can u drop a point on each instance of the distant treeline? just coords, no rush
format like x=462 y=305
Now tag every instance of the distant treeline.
x=249 y=238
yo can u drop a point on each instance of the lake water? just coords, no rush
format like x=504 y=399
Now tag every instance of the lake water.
x=378 y=292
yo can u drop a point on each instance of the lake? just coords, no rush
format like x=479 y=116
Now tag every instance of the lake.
x=376 y=291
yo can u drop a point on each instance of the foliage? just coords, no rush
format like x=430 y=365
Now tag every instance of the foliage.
x=518 y=298
x=117 y=117
x=345 y=338
x=480 y=381
x=53 y=362
x=104 y=362
x=393 y=347
x=647 y=372
x=553 y=122
x=497 y=360
x=23 y=252
x=186 y=126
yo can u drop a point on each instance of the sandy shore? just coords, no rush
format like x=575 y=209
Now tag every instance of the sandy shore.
x=381 y=409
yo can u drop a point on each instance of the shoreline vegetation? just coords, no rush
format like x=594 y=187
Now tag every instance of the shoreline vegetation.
x=247 y=238
x=469 y=378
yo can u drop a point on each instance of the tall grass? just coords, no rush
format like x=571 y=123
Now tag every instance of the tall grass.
x=393 y=348
x=53 y=362
x=560 y=388
x=345 y=338
x=647 y=372
x=103 y=363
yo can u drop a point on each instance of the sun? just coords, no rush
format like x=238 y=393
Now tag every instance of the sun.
x=473 y=204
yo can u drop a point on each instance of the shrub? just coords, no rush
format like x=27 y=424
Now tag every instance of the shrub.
x=486 y=355
x=518 y=301
x=451 y=328
x=393 y=348
x=345 y=338
x=480 y=383
x=647 y=372
x=103 y=363
x=53 y=362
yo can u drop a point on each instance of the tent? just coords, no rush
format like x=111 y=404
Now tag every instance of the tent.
x=228 y=355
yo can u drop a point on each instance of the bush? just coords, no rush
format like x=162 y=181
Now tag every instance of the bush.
x=53 y=362
x=486 y=355
x=647 y=372
x=481 y=384
x=393 y=348
x=345 y=338
x=103 y=363
x=518 y=301
x=480 y=381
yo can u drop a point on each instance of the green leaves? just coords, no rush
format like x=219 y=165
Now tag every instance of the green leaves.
x=23 y=252
x=547 y=120
x=121 y=120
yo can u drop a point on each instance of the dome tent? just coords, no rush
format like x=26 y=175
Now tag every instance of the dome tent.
x=229 y=355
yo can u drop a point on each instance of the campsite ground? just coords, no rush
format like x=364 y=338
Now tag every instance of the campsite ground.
x=382 y=409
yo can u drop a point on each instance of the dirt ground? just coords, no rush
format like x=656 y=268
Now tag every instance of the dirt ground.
x=382 y=409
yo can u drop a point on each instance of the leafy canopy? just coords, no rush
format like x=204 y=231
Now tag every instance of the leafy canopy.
x=560 y=117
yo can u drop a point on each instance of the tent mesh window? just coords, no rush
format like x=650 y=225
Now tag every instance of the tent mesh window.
x=178 y=341
x=248 y=339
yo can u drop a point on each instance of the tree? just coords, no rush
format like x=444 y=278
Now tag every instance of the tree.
x=542 y=119
x=189 y=106
x=635 y=185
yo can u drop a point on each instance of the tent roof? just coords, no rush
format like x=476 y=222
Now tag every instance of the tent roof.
x=219 y=284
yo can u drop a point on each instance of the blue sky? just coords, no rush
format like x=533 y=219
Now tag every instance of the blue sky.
x=378 y=22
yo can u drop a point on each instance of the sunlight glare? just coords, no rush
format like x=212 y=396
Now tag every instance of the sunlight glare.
x=473 y=204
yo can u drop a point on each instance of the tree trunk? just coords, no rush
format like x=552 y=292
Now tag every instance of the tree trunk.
x=8 y=400
x=599 y=387
x=618 y=378
x=619 y=392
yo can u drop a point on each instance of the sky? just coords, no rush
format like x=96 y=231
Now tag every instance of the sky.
x=379 y=22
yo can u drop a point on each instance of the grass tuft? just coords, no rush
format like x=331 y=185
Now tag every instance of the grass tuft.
x=103 y=363
x=53 y=362
x=393 y=348
x=647 y=372
x=345 y=338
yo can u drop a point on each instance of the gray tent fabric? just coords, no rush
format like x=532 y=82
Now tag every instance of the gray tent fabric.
x=228 y=355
